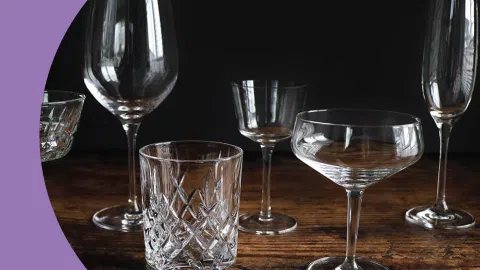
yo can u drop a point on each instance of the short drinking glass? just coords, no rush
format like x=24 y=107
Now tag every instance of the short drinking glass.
x=59 y=119
x=356 y=149
x=191 y=198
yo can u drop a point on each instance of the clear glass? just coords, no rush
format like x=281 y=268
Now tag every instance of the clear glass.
x=130 y=67
x=191 y=197
x=266 y=111
x=448 y=79
x=59 y=117
x=356 y=149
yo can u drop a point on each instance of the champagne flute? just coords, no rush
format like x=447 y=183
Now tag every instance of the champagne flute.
x=130 y=67
x=356 y=149
x=266 y=111
x=448 y=79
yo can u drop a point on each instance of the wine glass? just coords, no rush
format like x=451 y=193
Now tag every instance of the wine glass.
x=130 y=67
x=266 y=111
x=448 y=78
x=356 y=149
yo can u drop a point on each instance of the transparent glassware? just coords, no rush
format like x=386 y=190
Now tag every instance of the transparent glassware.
x=356 y=149
x=191 y=198
x=448 y=79
x=266 y=110
x=130 y=67
x=59 y=117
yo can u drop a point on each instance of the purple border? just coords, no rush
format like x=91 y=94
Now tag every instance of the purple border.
x=31 y=32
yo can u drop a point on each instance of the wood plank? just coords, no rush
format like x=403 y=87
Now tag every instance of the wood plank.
x=81 y=184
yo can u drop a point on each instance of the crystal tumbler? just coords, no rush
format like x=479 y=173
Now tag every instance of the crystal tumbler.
x=59 y=117
x=191 y=198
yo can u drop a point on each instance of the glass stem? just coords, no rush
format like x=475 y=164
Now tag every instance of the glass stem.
x=445 y=128
x=131 y=129
x=353 y=219
x=265 y=210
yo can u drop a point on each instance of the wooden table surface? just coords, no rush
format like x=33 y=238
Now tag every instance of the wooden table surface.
x=81 y=184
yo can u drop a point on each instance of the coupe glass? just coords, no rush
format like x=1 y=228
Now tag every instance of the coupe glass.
x=266 y=113
x=356 y=149
x=448 y=78
x=130 y=67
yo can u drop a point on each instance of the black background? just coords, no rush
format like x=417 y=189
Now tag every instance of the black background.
x=360 y=54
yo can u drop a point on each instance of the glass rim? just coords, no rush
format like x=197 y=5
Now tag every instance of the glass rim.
x=298 y=83
x=198 y=161
x=415 y=119
x=74 y=96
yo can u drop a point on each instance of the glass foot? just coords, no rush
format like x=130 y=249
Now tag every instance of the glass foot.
x=335 y=263
x=276 y=224
x=453 y=219
x=118 y=218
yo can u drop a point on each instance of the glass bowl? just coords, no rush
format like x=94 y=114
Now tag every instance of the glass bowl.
x=59 y=118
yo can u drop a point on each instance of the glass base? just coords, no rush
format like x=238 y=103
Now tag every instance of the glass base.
x=276 y=224
x=335 y=263
x=453 y=219
x=118 y=218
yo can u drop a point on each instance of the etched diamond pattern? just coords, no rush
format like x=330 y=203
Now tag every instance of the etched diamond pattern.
x=58 y=123
x=192 y=216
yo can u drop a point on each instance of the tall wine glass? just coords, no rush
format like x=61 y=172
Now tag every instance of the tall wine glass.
x=266 y=111
x=130 y=67
x=356 y=149
x=448 y=78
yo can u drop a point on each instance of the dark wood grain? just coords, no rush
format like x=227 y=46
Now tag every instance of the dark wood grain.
x=79 y=185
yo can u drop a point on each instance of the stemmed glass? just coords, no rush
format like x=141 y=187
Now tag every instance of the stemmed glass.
x=266 y=111
x=130 y=67
x=448 y=78
x=356 y=149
